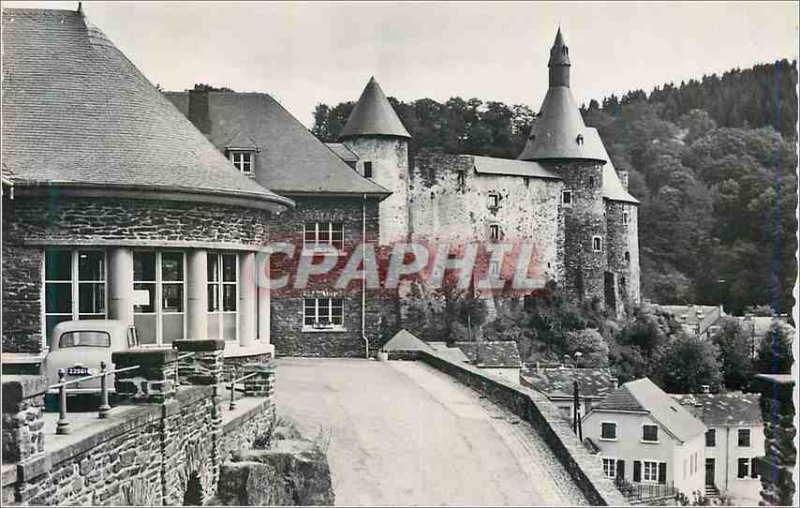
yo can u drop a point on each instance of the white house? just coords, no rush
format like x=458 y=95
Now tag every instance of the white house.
x=646 y=438
x=735 y=437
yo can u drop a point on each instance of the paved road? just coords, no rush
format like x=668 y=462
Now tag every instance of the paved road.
x=403 y=433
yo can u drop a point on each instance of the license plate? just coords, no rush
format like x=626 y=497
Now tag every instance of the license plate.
x=78 y=371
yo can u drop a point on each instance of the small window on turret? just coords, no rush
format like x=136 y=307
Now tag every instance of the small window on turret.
x=367 y=169
x=494 y=201
x=625 y=218
x=566 y=199
x=579 y=139
x=627 y=257
x=494 y=232
x=461 y=181
x=597 y=244
x=591 y=181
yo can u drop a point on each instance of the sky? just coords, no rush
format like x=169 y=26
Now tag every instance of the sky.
x=305 y=53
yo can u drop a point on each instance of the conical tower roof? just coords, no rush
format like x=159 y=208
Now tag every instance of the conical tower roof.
x=373 y=115
x=559 y=131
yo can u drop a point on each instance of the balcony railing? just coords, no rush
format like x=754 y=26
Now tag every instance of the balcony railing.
x=642 y=493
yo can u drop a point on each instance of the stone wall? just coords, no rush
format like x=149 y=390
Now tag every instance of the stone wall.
x=287 y=332
x=389 y=158
x=584 y=269
x=622 y=239
x=144 y=454
x=585 y=469
x=31 y=222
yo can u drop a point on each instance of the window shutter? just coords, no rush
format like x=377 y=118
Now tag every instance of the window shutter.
x=637 y=471
x=753 y=468
x=662 y=472
x=621 y=469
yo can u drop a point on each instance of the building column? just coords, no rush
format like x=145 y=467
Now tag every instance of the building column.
x=247 y=299
x=263 y=299
x=120 y=284
x=197 y=297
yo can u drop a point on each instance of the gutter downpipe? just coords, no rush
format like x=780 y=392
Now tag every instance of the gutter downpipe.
x=364 y=275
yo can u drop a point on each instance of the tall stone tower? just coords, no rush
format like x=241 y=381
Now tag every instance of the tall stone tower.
x=561 y=142
x=377 y=136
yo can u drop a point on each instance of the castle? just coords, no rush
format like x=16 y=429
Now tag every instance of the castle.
x=562 y=194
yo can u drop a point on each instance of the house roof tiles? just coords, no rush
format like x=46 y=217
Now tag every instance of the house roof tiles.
x=731 y=409
x=77 y=113
x=557 y=382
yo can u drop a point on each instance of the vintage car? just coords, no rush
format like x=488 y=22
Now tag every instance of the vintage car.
x=78 y=347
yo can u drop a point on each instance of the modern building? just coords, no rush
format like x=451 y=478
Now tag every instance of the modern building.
x=557 y=384
x=645 y=437
x=336 y=210
x=734 y=439
x=117 y=206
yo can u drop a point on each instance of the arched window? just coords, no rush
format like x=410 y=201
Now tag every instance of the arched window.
x=627 y=257
x=597 y=243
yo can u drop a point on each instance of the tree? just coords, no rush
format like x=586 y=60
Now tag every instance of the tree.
x=688 y=363
x=734 y=347
x=202 y=87
x=774 y=352
x=591 y=346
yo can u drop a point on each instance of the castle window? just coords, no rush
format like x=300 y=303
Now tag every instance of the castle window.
x=591 y=181
x=320 y=235
x=566 y=199
x=243 y=161
x=597 y=243
x=494 y=231
x=627 y=257
x=461 y=180
x=625 y=218
x=367 y=169
x=323 y=314
x=579 y=139
x=494 y=201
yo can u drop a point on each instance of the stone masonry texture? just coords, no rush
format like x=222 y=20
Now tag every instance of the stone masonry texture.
x=31 y=222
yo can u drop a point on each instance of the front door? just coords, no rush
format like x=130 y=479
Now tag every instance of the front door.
x=709 y=471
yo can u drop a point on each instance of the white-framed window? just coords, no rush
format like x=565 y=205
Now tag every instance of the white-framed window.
x=566 y=199
x=159 y=294
x=323 y=235
x=597 y=244
x=649 y=471
x=367 y=169
x=743 y=468
x=223 y=293
x=744 y=438
x=74 y=286
x=323 y=314
x=494 y=201
x=495 y=232
x=650 y=433
x=608 y=430
x=243 y=161
x=610 y=468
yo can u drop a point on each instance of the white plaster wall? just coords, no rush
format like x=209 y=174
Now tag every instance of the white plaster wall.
x=743 y=491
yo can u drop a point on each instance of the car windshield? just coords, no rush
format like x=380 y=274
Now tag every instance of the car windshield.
x=85 y=339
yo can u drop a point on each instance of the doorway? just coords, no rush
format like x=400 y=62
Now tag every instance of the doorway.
x=709 y=471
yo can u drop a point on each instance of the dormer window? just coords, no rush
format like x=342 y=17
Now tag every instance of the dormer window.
x=579 y=139
x=243 y=161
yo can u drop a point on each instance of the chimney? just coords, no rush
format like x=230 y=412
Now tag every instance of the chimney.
x=623 y=177
x=705 y=389
x=198 y=110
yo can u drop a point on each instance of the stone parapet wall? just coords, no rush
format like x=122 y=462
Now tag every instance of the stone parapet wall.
x=144 y=454
x=585 y=469
x=23 y=411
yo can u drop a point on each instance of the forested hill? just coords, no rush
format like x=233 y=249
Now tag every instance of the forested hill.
x=712 y=162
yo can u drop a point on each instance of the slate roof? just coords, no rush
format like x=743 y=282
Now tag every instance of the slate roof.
x=644 y=396
x=373 y=115
x=77 y=113
x=512 y=167
x=687 y=315
x=343 y=152
x=290 y=159
x=557 y=382
x=612 y=186
x=493 y=354
x=556 y=129
x=731 y=409
x=406 y=341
